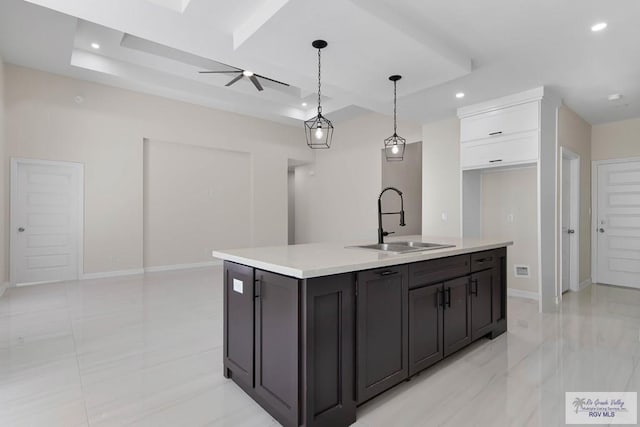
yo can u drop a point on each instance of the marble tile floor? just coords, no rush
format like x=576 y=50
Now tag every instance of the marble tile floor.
x=147 y=351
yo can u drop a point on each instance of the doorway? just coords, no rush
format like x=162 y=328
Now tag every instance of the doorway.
x=616 y=222
x=46 y=221
x=570 y=220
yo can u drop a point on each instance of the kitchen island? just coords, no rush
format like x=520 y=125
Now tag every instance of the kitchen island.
x=312 y=331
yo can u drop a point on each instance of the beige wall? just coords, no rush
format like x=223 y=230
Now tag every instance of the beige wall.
x=616 y=140
x=575 y=134
x=407 y=177
x=4 y=271
x=106 y=133
x=441 y=178
x=510 y=212
x=336 y=196
x=195 y=199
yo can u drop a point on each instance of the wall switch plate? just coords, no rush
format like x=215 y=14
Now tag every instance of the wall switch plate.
x=444 y=216
x=510 y=217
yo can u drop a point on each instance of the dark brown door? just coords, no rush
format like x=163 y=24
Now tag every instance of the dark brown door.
x=425 y=327
x=457 y=315
x=238 y=322
x=382 y=341
x=481 y=290
x=276 y=363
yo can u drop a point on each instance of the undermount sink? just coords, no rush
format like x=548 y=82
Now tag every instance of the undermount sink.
x=424 y=245
x=403 y=247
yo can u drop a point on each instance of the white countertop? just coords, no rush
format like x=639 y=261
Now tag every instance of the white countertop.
x=323 y=259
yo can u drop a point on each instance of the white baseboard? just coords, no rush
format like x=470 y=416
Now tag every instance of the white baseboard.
x=106 y=274
x=584 y=284
x=182 y=266
x=3 y=287
x=511 y=292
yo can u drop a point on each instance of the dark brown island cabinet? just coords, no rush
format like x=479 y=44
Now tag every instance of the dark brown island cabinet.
x=309 y=351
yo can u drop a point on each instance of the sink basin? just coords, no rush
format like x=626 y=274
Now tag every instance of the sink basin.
x=424 y=245
x=403 y=247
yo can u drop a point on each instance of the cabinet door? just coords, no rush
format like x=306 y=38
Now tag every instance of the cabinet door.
x=481 y=289
x=515 y=149
x=425 y=327
x=382 y=342
x=238 y=323
x=502 y=121
x=457 y=315
x=276 y=363
x=328 y=343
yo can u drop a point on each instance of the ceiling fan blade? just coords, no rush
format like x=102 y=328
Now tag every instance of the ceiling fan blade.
x=235 y=79
x=271 y=80
x=256 y=83
x=220 y=72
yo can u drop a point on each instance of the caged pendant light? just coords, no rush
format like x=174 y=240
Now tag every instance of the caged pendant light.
x=394 y=145
x=319 y=129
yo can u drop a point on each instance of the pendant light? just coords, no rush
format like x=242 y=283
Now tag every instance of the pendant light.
x=319 y=129
x=394 y=145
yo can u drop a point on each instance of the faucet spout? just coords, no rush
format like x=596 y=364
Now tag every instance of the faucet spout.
x=381 y=232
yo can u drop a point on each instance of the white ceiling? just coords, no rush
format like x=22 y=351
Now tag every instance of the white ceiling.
x=486 y=49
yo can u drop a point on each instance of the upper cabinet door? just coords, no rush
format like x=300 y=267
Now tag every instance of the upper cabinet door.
x=503 y=150
x=457 y=315
x=501 y=122
x=382 y=330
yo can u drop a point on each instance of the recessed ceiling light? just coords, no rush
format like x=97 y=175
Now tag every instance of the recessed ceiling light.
x=247 y=73
x=304 y=104
x=598 y=27
x=460 y=95
x=614 y=97
x=95 y=45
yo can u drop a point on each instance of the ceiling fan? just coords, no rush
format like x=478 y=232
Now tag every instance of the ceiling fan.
x=245 y=73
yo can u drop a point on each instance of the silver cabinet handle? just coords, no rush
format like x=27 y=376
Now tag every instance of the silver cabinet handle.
x=571 y=231
x=601 y=230
x=21 y=229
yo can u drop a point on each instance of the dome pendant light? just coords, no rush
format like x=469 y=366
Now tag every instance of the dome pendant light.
x=394 y=145
x=319 y=129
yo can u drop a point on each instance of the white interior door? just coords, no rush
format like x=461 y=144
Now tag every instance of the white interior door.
x=567 y=231
x=618 y=224
x=46 y=221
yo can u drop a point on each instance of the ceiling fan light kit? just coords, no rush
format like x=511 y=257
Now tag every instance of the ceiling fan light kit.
x=245 y=73
x=319 y=129
x=394 y=145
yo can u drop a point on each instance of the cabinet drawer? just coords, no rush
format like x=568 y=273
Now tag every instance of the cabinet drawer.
x=438 y=270
x=505 y=121
x=484 y=260
x=499 y=151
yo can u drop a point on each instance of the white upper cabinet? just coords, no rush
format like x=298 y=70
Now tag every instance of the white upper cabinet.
x=515 y=149
x=501 y=122
x=501 y=132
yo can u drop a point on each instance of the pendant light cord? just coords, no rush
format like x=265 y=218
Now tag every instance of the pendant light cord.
x=319 y=83
x=395 y=126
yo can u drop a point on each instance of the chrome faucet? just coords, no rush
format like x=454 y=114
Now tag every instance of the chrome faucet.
x=381 y=232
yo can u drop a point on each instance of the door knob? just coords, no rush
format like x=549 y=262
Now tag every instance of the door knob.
x=601 y=230
x=571 y=231
x=21 y=229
